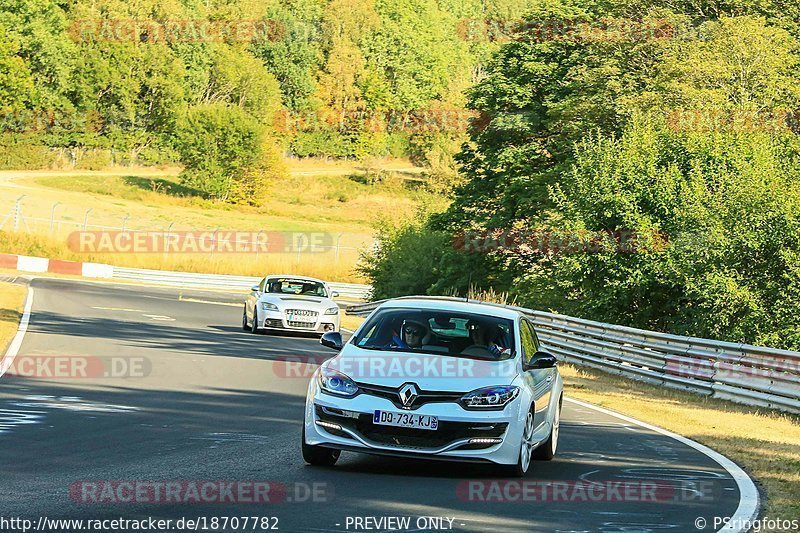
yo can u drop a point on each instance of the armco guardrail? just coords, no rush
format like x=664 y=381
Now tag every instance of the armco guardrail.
x=742 y=373
x=218 y=281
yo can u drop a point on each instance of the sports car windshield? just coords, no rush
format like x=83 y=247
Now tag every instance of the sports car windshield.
x=302 y=287
x=439 y=332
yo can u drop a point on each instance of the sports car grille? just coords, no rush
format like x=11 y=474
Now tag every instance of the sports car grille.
x=416 y=438
x=296 y=324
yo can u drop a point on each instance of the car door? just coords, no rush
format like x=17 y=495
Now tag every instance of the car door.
x=540 y=379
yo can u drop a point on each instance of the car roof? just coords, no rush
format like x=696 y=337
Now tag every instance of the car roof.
x=293 y=276
x=451 y=304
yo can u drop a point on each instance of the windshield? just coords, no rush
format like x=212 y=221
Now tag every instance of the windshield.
x=297 y=287
x=439 y=332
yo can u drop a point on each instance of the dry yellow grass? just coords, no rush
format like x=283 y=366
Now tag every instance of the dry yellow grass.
x=317 y=196
x=350 y=322
x=12 y=300
x=763 y=442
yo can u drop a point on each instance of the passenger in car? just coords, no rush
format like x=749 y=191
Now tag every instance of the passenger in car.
x=480 y=335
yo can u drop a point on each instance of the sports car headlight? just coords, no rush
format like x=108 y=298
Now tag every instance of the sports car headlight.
x=266 y=306
x=489 y=398
x=336 y=383
x=332 y=311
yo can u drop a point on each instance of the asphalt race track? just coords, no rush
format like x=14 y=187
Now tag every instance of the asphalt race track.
x=206 y=401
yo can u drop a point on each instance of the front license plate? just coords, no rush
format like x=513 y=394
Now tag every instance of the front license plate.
x=405 y=420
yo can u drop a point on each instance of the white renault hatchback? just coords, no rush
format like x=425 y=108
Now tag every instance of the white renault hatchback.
x=436 y=378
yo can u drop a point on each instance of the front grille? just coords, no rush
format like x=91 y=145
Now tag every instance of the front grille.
x=296 y=324
x=391 y=394
x=418 y=438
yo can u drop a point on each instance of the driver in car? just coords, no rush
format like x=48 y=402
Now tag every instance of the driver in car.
x=479 y=335
x=412 y=334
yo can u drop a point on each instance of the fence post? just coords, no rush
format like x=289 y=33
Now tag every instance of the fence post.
x=338 y=239
x=17 y=212
x=258 y=242
x=86 y=218
x=166 y=240
x=124 y=221
x=214 y=243
x=53 y=216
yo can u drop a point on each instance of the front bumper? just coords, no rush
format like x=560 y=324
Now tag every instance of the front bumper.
x=475 y=436
x=277 y=320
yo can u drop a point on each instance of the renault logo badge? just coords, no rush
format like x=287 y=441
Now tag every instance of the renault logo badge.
x=408 y=393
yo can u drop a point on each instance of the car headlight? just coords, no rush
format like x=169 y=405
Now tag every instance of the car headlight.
x=266 y=306
x=490 y=397
x=332 y=311
x=336 y=383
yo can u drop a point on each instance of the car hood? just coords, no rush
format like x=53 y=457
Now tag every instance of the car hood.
x=430 y=372
x=288 y=301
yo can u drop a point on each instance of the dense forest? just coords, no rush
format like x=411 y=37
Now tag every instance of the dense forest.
x=149 y=82
x=645 y=172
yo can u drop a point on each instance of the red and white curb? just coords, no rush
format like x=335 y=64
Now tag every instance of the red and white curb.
x=26 y=263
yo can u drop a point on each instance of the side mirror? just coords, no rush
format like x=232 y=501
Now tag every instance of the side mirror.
x=334 y=294
x=333 y=340
x=255 y=288
x=541 y=360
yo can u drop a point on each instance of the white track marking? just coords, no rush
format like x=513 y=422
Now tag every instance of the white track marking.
x=196 y=301
x=164 y=318
x=749 y=501
x=118 y=309
x=16 y=343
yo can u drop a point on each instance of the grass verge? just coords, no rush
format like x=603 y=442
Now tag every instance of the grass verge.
x=765 y=443
x=12 y=301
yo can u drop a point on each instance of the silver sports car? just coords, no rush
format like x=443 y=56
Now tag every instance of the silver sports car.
x=291 y=303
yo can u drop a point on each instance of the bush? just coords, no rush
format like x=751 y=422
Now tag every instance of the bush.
x=226 y=154
x=414 y=259
x=93 y=160
x=17 y=154
x=730 y=206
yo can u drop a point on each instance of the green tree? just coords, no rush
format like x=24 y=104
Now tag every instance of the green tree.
x=227 y=154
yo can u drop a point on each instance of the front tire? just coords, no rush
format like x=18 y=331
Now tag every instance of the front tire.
x=245 y=326
x=318 y=455
x=525 y=449
x=547 y=450
x=254 y=326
